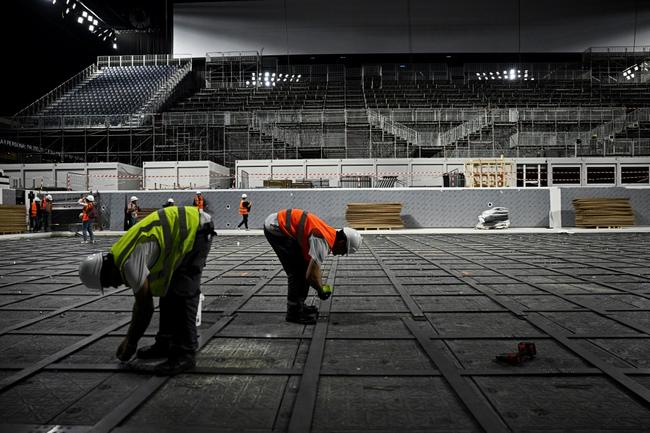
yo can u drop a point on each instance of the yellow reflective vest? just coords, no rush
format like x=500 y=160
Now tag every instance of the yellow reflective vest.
x=174 y=228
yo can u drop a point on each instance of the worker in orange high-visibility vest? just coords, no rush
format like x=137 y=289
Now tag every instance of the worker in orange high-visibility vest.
x=244 y=209
x=302 y=241
x=88 y=215
x=199 y=201
x=35 y=214
x=46 y=212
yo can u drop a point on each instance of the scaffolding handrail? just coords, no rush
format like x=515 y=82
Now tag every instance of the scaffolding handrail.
x=57 y=92
x=143 y=60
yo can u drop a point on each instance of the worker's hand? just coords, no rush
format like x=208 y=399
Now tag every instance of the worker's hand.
x=125 y=350
x=325 y=292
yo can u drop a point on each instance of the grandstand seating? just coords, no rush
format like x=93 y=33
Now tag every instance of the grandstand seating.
x=413 y=95
x=112 y=90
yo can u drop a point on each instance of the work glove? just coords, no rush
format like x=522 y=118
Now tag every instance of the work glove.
x=125 y=350
x=325 y=292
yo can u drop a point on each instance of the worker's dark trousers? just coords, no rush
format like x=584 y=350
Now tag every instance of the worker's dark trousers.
x=244 y=221
x=47 y=220
x=178 y=307
x=290 y=254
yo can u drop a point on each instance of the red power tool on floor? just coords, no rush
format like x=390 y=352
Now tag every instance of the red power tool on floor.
x=525 y=351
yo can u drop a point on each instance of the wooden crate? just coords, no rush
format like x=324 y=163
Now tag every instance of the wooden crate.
x=374 y=215
x=13 y=219
x=603 y=212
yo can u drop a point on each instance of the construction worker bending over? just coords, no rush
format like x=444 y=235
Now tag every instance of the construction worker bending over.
x=88 y=215
x=46 y=212
x=302 y=241
x=244 y=209
x=199 y=201
x=163 y=255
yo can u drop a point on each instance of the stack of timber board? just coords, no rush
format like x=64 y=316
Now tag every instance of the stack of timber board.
x=374 y=215
x=603 y=212
x=277 y=183
x=12 y=219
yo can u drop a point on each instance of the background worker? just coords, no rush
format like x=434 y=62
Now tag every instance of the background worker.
x=170 y=202
x=244 y=209
x=302 y=241
x=163 y=256
x=46 y=212
x=132 y=212
x=35 y=214
x=199 y=201
x=88 y=215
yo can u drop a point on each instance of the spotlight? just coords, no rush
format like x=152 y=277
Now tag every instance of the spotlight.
x=53 y=2
x=84 y=14
x=67 y=1
x=267 y=84
x=74 y=6
x=266 y=74
x=478 y=75
x=80 y=20
x=115 y=46
x=95 y=22
x=91 y=28
x=90 y=18
x=67 y=11
x=299 y=76
x=248 y=83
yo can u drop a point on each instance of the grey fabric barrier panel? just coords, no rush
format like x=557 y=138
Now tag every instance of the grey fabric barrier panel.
x=639 y=199
x=421 y=207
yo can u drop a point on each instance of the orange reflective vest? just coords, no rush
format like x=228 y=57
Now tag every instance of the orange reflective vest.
x=243 y=210
x=198 y=201
x=34 y=209
x=86 y=212
x=45 y=205
x=300 y=225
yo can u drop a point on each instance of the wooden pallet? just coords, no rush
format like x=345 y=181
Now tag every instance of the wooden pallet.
x=603 y=212
x=376 y=216
x=12 y=219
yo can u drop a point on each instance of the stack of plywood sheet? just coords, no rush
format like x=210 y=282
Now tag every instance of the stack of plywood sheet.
x=13 y=219
x=277 y=183
x=603 y=212
x=374 y=215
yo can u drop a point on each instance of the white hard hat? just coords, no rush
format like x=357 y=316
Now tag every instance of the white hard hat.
x=244 y=196
x=170 y=200
x=354 y=240
x=90 y=271
x=198 y=192
x=90 y=197
x=134 y=198
x=49 y=197
x=37 y=199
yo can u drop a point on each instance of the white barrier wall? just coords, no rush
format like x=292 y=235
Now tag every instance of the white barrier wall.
x=185 y=174
x=74 y=176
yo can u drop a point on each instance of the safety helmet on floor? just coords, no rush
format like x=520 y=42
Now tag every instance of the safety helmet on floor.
x=90 y=271
x=90 y=197
x=49 y=197
x=244 y=196
x=134 y=198
x=37 y=198
x=354 y=240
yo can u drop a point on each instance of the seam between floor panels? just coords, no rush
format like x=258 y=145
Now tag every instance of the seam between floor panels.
x=542 y=323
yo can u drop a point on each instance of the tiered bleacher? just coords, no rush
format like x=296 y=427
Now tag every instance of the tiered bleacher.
x=112 y=90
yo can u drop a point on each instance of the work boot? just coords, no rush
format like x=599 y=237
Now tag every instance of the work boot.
x=300 y=314
x=155 y=351
x=175 y=364
x=311 y=309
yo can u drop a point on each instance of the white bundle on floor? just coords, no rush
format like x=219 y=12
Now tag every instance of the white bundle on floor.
x=495 y=218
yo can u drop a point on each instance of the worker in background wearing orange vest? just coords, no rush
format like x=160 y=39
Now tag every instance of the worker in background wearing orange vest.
x=46 y=212
x=88 y=215
x=244 y=209
x=199 y=201
x=302 y=241
x=35 y=215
